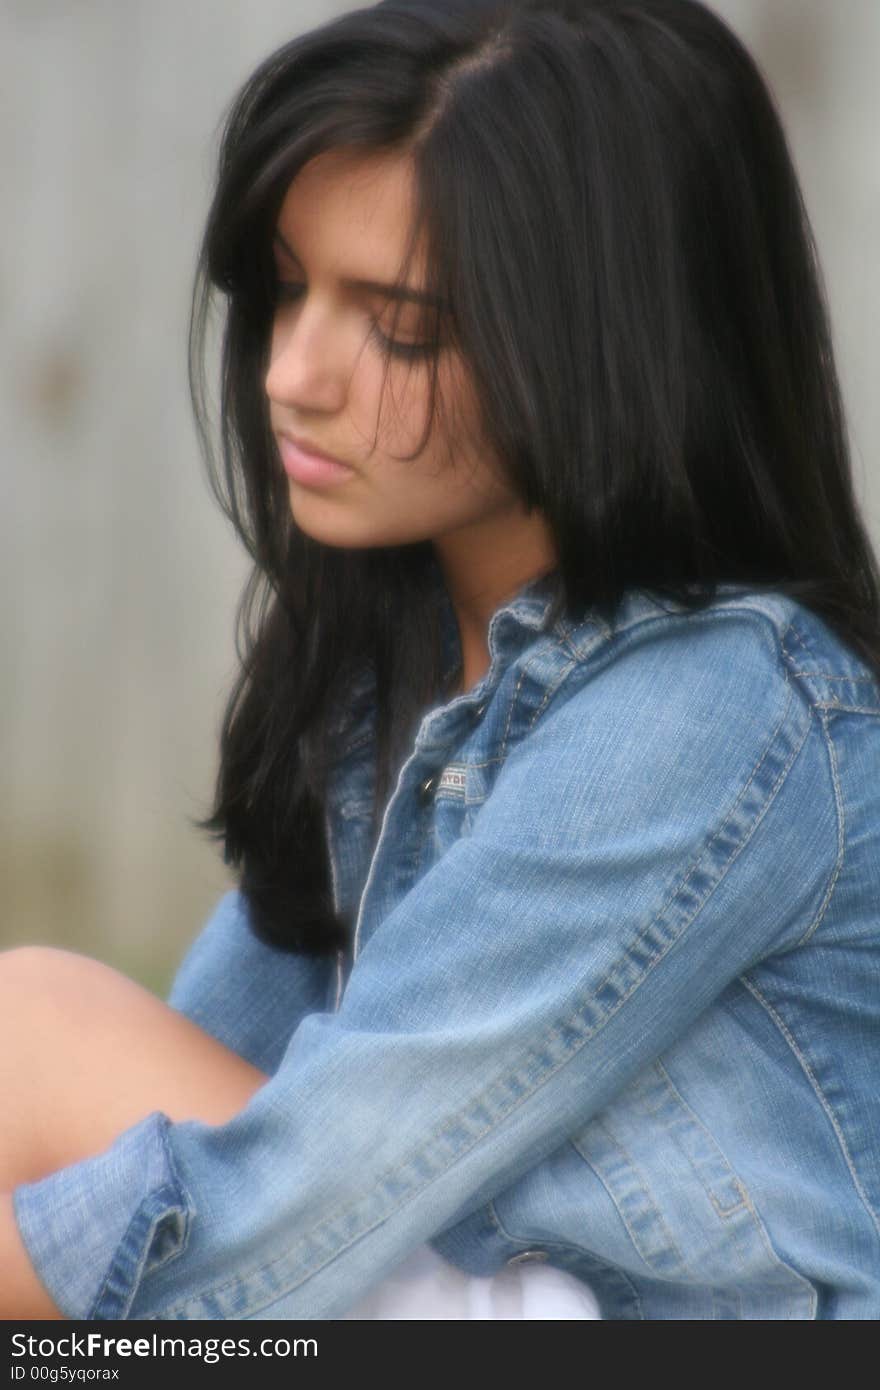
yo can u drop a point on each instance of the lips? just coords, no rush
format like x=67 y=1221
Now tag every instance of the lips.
x=308 y=465
x=305 y=446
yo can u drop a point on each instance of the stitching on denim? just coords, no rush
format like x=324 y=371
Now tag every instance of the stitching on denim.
x=189 y=1207
x=784 y=1264
x=505 y=734
x=724 y=611
x=841 y=832
x=512 y=707
x=752 y=775
x=838 y=707
x=552 y=1034
x=179 y=1197
x=530 y=1242
x=833 y=676
x=603 y=1021
x=634 y=1172
x=569 y=1247
x=496 y=1219
x=746 y=1199
x=574 y=1254
x=702 y=617
x=131 y=1281
x=819 y=1093
x=550 y=692
x=487 y=762
x=638 y=620
x=746 y=1196
x=566 y=634
x=722 y=1212
x=793 y=632
x=759 y=1225
x=641 y=620
x=609 y=634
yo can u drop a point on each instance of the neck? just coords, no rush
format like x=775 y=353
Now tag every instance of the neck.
x=484 y=567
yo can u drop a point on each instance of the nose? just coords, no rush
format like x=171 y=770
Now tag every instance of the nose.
x=310 y=363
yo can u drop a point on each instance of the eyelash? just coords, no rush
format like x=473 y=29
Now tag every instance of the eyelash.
x=288 y=292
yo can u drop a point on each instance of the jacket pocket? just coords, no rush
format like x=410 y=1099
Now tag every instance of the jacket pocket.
x=645 y=1188
x=687 y=1213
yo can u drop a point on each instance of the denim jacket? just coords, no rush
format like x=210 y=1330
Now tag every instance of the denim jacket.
x=613 y=1002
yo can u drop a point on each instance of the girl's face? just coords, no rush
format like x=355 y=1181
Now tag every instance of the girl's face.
x=341 y=237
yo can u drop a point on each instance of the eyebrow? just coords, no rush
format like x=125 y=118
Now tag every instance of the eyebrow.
x=400 y=293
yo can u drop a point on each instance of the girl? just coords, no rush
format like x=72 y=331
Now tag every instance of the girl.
x=551 y=772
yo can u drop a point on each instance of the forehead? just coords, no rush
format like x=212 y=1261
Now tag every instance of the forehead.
x=351 y=213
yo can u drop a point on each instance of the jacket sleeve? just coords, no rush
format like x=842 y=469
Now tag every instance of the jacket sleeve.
x=667 y=822
x=248 y=995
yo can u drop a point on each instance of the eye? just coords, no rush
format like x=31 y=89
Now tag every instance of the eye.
x=291 y=291
x=287 y=291
x=393 y=347
x=420 y=328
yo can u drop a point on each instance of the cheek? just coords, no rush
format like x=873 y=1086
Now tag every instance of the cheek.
x=457 y=478
x=399 y=402
x=456 y=466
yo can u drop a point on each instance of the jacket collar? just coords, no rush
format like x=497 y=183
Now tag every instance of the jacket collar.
x=511 y=624
x=510 y=627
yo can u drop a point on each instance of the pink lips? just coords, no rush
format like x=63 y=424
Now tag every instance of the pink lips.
x=315 y=470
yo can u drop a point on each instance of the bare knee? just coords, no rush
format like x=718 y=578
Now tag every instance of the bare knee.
x=34 y=979
x=85 y=1052
x=31 y=962
x=27 y=972
x=46 y=994
x=34 y=982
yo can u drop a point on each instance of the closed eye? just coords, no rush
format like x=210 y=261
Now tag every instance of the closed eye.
x=393 y=347
x=286 y=291
x=290 y=291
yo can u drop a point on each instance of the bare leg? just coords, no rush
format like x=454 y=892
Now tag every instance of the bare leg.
x=84 y=1054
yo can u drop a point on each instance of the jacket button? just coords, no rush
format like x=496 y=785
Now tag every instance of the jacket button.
x=525 y=1255
x=426 y=788
x=480 y=709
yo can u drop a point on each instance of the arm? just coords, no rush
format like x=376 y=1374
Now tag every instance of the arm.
x=246 y=994
x=664 y=825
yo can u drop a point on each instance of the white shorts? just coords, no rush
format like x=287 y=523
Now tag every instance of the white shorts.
x=425 y=1286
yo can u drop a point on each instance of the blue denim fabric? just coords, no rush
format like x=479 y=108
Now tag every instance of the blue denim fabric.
x=614 y=999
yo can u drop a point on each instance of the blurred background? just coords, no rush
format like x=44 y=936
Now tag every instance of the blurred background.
x=119 y=577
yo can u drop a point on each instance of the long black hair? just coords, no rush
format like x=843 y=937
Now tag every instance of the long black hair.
x=612 y=216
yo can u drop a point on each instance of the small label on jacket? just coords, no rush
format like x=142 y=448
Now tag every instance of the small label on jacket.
x=453 y=779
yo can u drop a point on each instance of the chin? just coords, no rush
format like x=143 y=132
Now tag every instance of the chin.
x=323 y=518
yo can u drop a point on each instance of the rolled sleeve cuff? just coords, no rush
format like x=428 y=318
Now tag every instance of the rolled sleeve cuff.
x=94 y=1229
